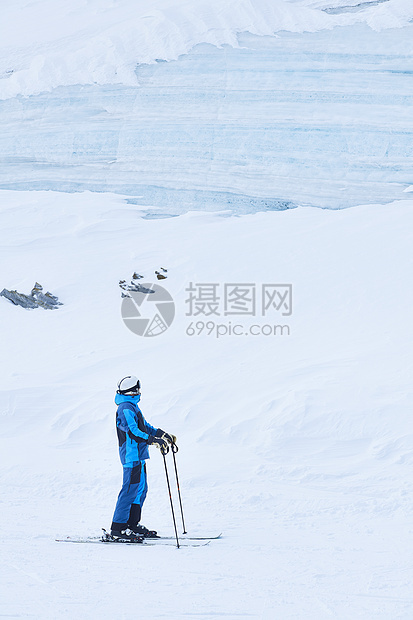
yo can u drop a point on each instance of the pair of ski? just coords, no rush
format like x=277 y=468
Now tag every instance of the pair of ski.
x=194 y=541
x=197 y=541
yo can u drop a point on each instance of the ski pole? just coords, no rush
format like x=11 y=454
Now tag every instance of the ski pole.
x=174 y=449
x=164 y=453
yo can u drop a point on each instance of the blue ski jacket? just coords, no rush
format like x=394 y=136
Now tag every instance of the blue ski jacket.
x=133 y=430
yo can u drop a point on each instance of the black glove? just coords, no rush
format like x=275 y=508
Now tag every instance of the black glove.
x=170 y=438
x=158 y=441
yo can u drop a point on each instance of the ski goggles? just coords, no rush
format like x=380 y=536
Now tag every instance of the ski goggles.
x=136 y=388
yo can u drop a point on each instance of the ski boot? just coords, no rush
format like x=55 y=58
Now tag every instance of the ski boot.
x=141 y=530
x=122 y=536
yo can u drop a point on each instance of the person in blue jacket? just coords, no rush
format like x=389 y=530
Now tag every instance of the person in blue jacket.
x=134 y=436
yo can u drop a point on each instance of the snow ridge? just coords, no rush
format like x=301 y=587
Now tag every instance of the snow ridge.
x=46 y=44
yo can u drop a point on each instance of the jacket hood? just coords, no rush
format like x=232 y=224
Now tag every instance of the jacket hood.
x=127 y=398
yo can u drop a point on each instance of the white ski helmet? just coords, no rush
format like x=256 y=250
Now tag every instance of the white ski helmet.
x=129 y=384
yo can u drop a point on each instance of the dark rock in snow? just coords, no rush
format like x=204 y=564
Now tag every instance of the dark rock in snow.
x=36 y=299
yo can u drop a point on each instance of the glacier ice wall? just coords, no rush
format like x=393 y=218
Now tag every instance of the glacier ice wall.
x=316 y=118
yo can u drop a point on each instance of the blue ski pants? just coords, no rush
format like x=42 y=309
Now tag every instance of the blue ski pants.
x=133 y=491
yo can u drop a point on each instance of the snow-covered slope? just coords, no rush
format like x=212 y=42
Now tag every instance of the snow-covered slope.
x=318 y=118
x=295 y=428
x=298 y=447
x=319 y=114
x=45 y=43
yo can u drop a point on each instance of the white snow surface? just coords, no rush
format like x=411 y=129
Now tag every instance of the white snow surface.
x=49 y=43
x=298 y=448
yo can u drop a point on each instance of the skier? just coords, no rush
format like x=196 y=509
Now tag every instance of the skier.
x=134 y=436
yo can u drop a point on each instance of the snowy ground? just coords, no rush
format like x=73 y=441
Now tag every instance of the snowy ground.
x=298 y=447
